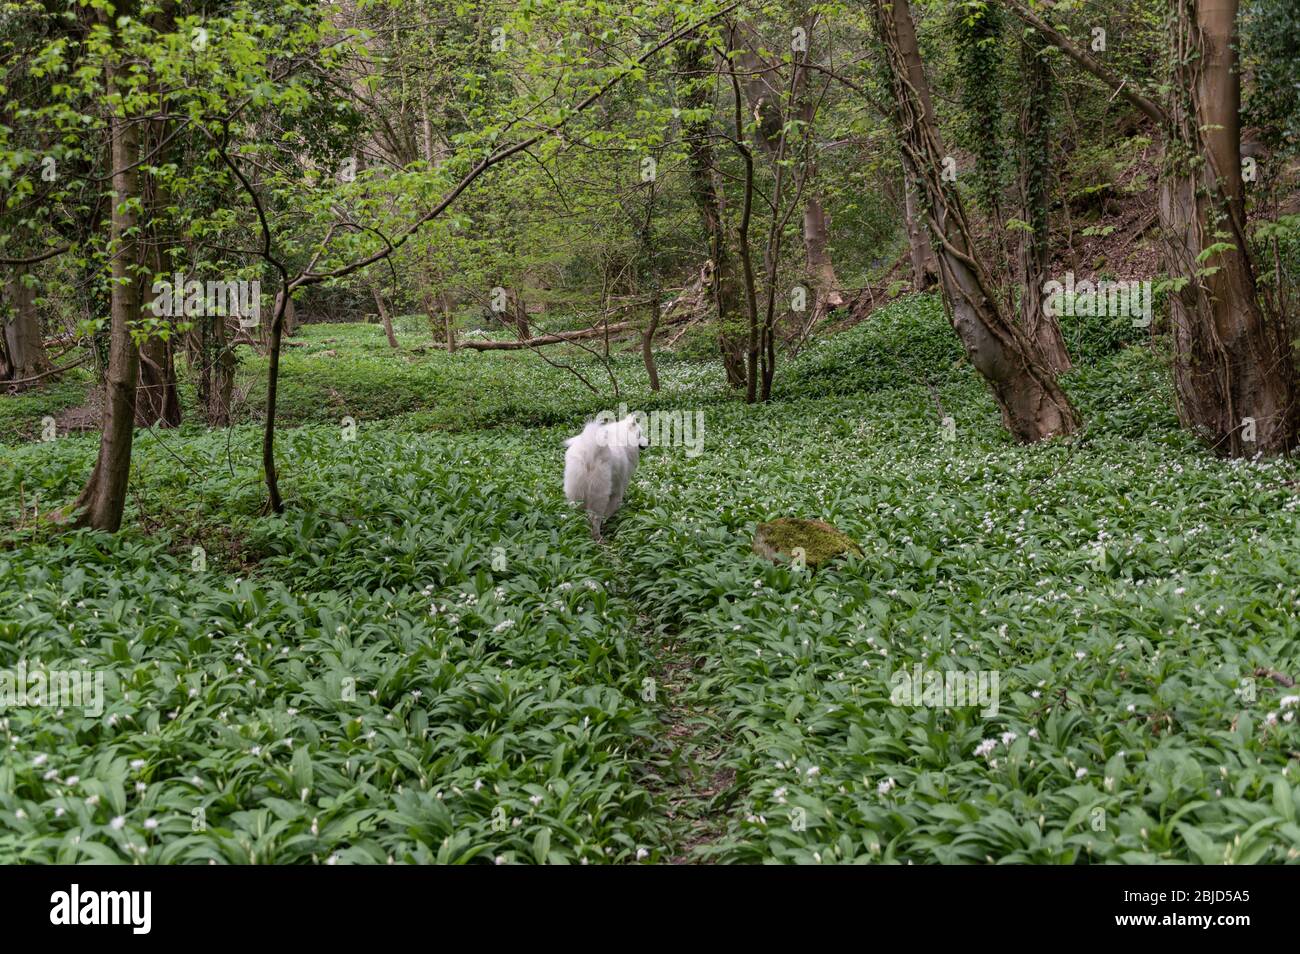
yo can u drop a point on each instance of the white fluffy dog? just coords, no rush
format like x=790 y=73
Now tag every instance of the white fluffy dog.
x=598 y=466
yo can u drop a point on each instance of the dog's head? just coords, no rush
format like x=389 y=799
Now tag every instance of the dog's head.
x=633 y=434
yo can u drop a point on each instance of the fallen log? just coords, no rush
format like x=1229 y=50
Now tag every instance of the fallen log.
x=685 y=306
x=559 y=337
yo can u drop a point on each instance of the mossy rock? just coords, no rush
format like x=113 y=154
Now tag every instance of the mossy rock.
x=820 y=541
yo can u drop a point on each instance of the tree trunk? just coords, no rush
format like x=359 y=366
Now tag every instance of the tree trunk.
x=1034 y=184
x=104 y=498
x=24 y=348
x=694 y=63
x=821 y=271
x=925 y=267
x=448 y=320
x=157 y=401
x=384 y=316
x=197 y=347
x=764 y=95
x=1033 y=405
x=290 y=318
x=1234 y=371
x=1233 y=368
x=517 y=314
x=223 y=367
x=290 y=321
x=647 y=346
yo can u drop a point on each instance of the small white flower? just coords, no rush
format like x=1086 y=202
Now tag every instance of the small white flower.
x=985 y=747
x=151 y=823
x=642 y=854
x=1080 y=773
x=885 y=787
x=118 y=823
x=1008 y=738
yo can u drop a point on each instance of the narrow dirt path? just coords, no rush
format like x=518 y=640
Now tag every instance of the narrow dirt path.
x=696 y=747
x=686 y=765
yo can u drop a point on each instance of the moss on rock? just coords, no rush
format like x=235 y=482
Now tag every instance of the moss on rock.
x=821 y=542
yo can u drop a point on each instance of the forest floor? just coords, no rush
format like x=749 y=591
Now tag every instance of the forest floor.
x=427 y=658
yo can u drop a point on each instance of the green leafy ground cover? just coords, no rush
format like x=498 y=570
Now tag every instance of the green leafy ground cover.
x=427 y=658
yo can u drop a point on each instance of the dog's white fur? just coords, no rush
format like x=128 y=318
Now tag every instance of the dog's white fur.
x=598 y=466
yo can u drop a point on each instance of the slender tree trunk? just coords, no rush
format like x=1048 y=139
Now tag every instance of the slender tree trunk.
x=816 y=241
x=1233 y=368
x=222 y=359
x=764 y=95
x=647 y=346
x=448 y=320
x=1032 y=402
x=384 y=316
x=22 y=345
x=283 y=299
x=103 y=500
x=647 y=275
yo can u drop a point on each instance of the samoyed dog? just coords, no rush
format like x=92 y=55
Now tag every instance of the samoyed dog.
x=598 y=466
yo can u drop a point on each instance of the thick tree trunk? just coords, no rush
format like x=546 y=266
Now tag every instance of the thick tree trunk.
x=24 y=348
x=1034 y=183
x=1033 y=405
x=1234 y=371
x=925 y=267
x=695 y=63
x=384 y=316
x=290 y=319
x=1233 y=368
x=157 y=402
x=104 y=498
x=517 y=314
